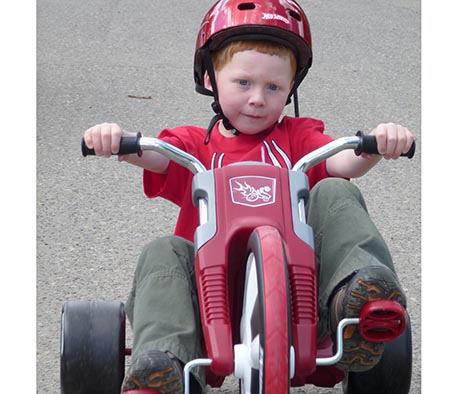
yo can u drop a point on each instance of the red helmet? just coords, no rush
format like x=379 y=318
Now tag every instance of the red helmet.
x=280 y=21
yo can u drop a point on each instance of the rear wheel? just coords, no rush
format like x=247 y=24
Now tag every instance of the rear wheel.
x=263 y=368
x=392 y=375
x=92 y=347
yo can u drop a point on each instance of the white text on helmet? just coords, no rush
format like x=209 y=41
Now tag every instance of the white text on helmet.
x=267 y=16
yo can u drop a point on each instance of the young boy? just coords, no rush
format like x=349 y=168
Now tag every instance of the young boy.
x=251 y=56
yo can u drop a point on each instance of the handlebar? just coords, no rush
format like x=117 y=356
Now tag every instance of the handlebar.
x=360 y=143
x=136 y=144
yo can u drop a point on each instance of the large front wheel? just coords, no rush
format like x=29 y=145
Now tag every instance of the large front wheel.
x=263 y=359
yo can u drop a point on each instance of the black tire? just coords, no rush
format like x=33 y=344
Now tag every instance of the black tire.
x=92 y=347
x=392 y=375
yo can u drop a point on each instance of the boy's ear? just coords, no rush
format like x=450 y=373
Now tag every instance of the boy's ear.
x=207 y=82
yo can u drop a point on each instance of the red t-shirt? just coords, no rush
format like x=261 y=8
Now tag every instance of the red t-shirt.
x=283 y=146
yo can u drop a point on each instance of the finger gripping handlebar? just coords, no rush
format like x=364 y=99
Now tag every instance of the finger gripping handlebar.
x=129 y=144
x=368 y=144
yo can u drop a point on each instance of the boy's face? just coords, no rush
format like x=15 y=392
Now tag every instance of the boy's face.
x=253 y=89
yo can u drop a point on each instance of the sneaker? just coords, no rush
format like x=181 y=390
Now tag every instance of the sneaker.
x=155 y=370
x=367 y=284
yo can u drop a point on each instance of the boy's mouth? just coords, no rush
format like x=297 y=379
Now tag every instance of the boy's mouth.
x=254 y=116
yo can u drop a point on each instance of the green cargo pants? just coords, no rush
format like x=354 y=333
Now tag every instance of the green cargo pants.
x=162 y=306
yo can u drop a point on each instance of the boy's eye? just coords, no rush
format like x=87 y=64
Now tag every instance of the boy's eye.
x=273 y=87
x=243 y=82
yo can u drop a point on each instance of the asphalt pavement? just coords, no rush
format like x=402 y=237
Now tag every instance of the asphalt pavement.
x=130 y=62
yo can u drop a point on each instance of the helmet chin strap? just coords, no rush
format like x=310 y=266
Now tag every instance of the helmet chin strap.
x=219 y=115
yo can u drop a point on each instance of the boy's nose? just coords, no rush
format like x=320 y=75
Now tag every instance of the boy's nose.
x=257 y=97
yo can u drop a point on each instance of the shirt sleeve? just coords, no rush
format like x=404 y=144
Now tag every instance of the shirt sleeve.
x=309 y=135
x=172 y=185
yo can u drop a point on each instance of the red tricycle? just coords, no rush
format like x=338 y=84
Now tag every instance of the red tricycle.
x=258 y=298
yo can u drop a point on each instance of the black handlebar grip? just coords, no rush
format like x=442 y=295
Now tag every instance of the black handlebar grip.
x=86 y=151
x=368 y=144
x=129 y=144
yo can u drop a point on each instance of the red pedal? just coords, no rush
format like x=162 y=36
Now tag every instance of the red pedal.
x=382 y=320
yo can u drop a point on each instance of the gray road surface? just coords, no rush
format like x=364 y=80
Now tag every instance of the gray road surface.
x=93 y=55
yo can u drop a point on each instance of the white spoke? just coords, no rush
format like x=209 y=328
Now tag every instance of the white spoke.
x=249 y=301
x=248 y=352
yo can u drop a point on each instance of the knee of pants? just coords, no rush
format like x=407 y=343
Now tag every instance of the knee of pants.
x=329 y=196
x=329 y=190
x=169 y=254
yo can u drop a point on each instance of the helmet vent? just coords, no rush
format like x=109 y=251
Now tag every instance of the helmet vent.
x=246 y=6
x=295 y=15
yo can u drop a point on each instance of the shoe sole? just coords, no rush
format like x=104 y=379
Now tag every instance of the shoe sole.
x=154 y=373
x=369 y=284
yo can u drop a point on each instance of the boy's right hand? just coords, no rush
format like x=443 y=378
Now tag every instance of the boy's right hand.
x=104 y=138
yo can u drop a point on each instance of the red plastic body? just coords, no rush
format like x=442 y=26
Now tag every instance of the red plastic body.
x=220 y=266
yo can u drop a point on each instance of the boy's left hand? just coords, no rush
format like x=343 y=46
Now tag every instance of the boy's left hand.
x=392 y=140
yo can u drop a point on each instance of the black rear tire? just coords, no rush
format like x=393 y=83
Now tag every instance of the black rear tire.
x=92 y=347
x=392 y=375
